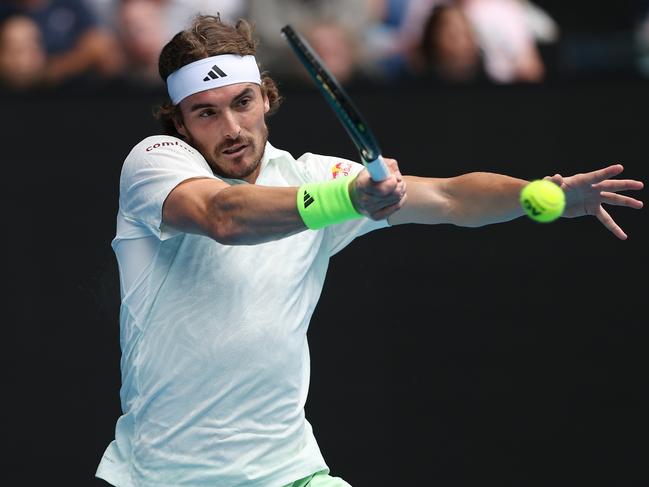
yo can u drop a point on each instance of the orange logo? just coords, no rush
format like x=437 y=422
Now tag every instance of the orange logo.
x=341 y=169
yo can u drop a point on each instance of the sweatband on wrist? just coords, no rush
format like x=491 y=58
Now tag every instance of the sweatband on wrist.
x=212 y=72
x=326 y=203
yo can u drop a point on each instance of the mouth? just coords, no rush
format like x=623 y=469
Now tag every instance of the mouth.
x=235 y=151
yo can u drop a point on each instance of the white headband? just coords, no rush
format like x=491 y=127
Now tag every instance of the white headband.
x=212 y=72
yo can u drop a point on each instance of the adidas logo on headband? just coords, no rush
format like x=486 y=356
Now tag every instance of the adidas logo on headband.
x=214 y=73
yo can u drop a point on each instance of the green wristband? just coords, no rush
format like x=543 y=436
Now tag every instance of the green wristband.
x=326 y=203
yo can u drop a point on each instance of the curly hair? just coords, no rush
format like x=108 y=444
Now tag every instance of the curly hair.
x=208 y=36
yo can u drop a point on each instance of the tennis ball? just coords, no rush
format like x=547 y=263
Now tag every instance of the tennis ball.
x=543 y=200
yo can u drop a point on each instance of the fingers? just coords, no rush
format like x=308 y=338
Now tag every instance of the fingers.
x=619 y=185
x=380 y=189
x=621 y=200
x=608 y=222
x=556 y=179
x=393 y=165
x=600 y=175
x=383 y=213
x=375 y=204
x=379 y=199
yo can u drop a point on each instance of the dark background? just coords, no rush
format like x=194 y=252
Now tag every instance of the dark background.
x=511 y=354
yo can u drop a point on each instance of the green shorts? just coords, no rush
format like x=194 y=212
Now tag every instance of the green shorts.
x=319 y=479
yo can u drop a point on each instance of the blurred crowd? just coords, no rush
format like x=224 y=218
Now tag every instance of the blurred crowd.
x=46 y=43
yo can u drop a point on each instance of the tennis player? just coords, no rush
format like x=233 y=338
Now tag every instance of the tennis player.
x=223 y=243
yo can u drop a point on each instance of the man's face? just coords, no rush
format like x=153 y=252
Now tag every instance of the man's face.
x=228 y=128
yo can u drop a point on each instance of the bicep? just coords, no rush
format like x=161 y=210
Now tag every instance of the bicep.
x=187 y=207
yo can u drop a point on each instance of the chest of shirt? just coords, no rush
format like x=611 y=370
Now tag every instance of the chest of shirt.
x=274 y=266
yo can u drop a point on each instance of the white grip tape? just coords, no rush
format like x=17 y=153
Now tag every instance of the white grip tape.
x=378 y=170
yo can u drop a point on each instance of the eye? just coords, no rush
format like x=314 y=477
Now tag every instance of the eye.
x=206 y=113
x=244 y=102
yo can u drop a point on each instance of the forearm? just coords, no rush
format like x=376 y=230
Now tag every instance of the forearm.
x=243 y=214
x=470 y=200
x=250 y=214
x=481 y=198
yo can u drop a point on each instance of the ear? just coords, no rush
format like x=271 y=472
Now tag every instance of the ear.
x=180 y=125
x=266 y=102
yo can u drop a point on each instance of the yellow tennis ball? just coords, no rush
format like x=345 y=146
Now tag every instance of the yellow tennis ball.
x=543 y=200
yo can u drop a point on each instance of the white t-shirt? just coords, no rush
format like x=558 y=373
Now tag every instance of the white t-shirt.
x=215 y=361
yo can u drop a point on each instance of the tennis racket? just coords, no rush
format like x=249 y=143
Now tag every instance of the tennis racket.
x=342 y=105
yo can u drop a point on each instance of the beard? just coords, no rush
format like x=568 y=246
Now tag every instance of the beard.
x=240 y=169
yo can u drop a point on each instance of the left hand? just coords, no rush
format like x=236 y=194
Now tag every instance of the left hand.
x=378 y=200
x=586 y=193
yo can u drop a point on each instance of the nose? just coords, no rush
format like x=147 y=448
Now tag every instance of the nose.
x=231 y=127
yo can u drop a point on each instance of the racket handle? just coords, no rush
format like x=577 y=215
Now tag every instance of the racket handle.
x=378 y=169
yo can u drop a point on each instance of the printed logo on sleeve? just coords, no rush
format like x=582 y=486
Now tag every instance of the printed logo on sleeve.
x=168 y=143
x=341 y=169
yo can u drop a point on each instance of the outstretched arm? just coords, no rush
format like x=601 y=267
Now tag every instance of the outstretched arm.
x=469 y=200
x=247 y=214
x=477 y=199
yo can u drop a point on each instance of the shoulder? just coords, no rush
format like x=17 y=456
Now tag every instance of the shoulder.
x=324 y=167
x=164 y=152
x=160 y=147
x=160 y=144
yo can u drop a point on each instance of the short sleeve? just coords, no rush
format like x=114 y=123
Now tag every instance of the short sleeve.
x=150 y=172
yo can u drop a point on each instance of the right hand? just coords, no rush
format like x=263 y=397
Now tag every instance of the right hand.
x=378 y=200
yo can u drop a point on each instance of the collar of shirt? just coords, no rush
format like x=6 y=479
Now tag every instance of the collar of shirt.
x=270 y=153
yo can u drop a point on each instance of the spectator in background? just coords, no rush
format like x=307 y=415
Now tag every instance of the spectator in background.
x=448 y=50
x=74 y=44
x=506 y=32
x=144 y=26
x=104 y=11
x=338 y=48
x=22 y=56
x=180 y=13
x=347 y=21
x=383 y=38
x=142 y=36
x=507 y=40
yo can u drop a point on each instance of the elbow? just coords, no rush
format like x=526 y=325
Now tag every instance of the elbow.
x=226 y=231
x=474 y=220
x=467 y=222
x=469 y=219
x=227 y=221
x=223 y=234
x=458 y=216
x=222 y=226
